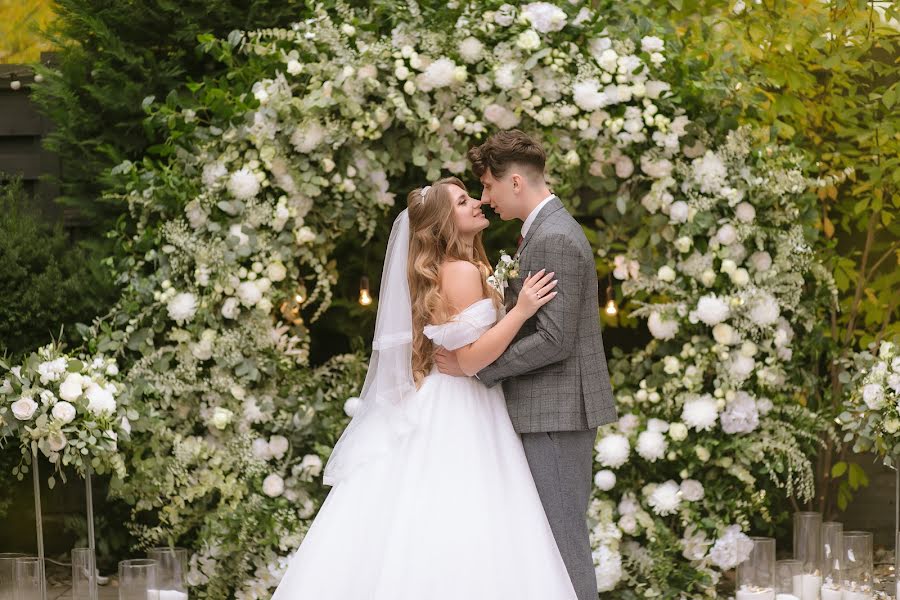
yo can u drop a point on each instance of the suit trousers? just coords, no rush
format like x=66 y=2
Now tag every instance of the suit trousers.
x=561 y=464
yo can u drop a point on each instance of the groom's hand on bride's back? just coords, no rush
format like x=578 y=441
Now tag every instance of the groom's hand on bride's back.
x=447 y=363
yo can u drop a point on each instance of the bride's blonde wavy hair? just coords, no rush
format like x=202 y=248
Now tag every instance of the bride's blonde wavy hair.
x=433 y=240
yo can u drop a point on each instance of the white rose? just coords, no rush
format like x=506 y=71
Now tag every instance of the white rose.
x=63 y=412
x=71 y=389
x=608 y=60
x=761 y=261
x=221 y=418
x=651 y=44
x=678 y=211
x=678 y=431
x=24 y=408
x=745 y=212
x=605 y=480
x=230 y=308
x=528 y=40
x=294 y=67
x=683 y=244
x=708 y=277
x=740 y=277
x=261 y=449
x=726 y=234
x=624 y=167
x=311 y=464
x=724 y=334
x=666 y=273
x=351 y=406
x=470 y=49
x=273 y=485
x=276 y=271
x=278 y=446
x=248 y=293
x=100 y=399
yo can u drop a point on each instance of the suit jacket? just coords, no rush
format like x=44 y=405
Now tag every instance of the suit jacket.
x=554 y=372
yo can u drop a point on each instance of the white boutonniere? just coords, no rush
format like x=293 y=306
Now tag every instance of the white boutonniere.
x=507 y=267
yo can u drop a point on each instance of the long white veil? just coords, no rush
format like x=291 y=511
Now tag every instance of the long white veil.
x=384 y=417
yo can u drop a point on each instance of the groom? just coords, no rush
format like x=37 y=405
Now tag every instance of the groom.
x=554 y=373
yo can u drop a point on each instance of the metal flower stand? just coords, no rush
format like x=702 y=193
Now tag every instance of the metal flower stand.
x=40 y=528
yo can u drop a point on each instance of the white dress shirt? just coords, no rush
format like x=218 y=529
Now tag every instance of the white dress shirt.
x=534 y=213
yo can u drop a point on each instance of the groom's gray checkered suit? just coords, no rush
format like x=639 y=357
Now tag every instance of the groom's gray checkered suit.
x=557 y=385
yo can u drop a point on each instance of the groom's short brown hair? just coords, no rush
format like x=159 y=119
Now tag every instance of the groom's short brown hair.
x=506 y=148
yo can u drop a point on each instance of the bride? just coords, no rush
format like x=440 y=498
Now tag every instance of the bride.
x=432 y=497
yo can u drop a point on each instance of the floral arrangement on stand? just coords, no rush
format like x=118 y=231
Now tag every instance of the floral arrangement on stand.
x=871 y=415
x=265 y=170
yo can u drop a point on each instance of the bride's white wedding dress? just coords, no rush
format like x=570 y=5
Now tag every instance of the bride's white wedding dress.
x=451 y=514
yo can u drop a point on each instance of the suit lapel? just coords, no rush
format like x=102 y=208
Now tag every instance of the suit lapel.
x=551 y=207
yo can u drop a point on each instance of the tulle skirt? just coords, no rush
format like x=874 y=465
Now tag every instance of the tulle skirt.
x=454 y=515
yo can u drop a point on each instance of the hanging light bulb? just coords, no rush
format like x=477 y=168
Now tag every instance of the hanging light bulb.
x=290 y=309
x=365 y=298
x=611 y=308
x=300 y=296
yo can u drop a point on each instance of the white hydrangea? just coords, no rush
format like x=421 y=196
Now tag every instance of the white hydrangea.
x=662 y=328
x=873 y=395
x=613 y=450
x=213 y=173
x=740 y=414
x=608 y=568
x=501 y=116
x=243 y=184
x=544 y=17
x=587 y=95
x=700 y=413
x=651 y=445
x=740 y=366
x=709 y=172
x=764 y=309
x=100 y=399
x=182 y=307
x=665 y=498
x=712 y=310
x=52 y=370
x=731 y=549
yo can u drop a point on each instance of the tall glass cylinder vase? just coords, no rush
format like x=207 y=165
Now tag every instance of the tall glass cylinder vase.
x=897 y=563
x=808 y=550
x=29 y=578
x=787 y=578
x=171 y=571
x=756 y=575
x=832 y=558
x=8 y=574
x=84 y=574
x=857 y=566
x=137 y=579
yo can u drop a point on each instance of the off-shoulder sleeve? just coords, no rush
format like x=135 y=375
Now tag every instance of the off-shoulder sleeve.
x=465 y=327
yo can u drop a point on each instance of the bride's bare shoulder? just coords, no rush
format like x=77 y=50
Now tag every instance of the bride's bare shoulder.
x=461 y=283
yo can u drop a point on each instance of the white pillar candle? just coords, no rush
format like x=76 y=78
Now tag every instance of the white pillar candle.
x=172 y=595
x=756 y=594
x=152 y=594
x=830 y=593
x=810 y=586
x=857 y=595
x=798 y=585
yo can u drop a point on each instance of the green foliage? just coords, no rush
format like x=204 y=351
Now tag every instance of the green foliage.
x=45 y=283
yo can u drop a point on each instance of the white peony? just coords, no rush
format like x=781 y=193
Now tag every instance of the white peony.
x=651 y=445
x=243 y=184
x=665 y=498
x=501 y=116
x=311 y=464
x=221 y=417
x=873 y=396
x=587 y=95
x=24 y=408
x=470 y=49
x=544 y=17
x=351 y=405
x=71 y=388
x=63 y=412
x=608 y=568
x=307 y=138
x=679 y=211
x=740 y=414
x=440 y=73
x=692 y=490
x=528 y=40
x=273 y=485
x=230 y=308
x=700 y=413
x=248 y=293
x=182 y=307
x=724 y=334
x=745 y=212
x=712 y=310
x=100 y=399
x=760 y=261
x=731 y=549
x=613 y=450
x=764 y=309
x=662 y=328
x=278 y=446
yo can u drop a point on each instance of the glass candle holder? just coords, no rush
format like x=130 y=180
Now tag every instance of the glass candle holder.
x=29 y=578
x=808 y=550
x=84 y=574
x=857 y=568
x=832 y=558
x=137 y=579
x=8 y=574
x=756 y=575
x=788 y=573
x=171 y=571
